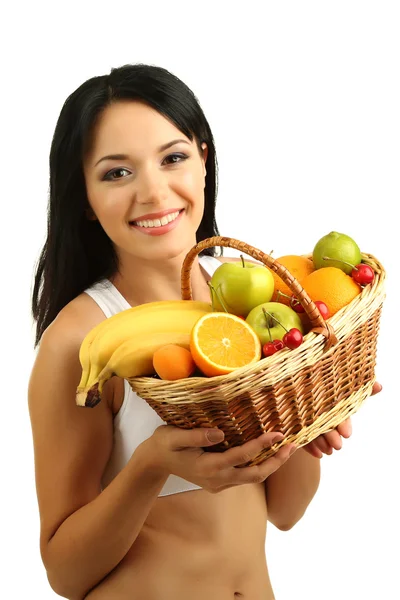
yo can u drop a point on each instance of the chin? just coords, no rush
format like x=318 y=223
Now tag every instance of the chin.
x=167 y=248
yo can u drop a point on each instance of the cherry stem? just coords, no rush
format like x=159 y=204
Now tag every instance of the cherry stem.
x=342 y=261
x=275 y=319
x=218 y=297
x=243 y=265
x=293 y=299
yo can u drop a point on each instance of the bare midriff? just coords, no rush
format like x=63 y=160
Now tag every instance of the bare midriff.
x=196 y=546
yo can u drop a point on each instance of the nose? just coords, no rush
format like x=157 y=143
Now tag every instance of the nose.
x=151 y=187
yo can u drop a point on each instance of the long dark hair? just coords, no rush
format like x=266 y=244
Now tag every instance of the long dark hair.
x=77 y=252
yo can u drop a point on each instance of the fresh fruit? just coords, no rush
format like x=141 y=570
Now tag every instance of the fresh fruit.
x=269 y=349
x=335 y=250
x=138 y=327
x=299 y=266
x=274 y=322
x=363 y=274
x=295 y=304
x=133 y=358
x=278 y=344
x=237 y=287
x=323 y=309
x=221 y=342
x=293 y=338
x=331 y=286
x=173 y=362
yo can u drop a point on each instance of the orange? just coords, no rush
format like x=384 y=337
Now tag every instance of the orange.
x=221 y=342
x=173 y=362
x=299 y=267
x=332 y=286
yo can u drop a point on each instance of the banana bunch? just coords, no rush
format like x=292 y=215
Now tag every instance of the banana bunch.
x=124 y=344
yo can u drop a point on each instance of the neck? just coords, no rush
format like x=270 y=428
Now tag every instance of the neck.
x=141 y=281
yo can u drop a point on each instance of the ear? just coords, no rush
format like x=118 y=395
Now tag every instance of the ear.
x=204 y=156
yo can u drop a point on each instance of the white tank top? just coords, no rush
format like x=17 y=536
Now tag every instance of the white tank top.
x=136 y=421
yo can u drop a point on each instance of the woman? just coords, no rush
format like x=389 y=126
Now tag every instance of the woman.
x=129 y=507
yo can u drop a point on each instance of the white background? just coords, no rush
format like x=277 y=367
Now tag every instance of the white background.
x=304 y=102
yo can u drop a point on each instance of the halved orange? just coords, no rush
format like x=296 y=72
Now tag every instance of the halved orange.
x=221 y=342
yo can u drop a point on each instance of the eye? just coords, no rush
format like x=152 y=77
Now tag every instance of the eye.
x=173 y=159
x=112 y=175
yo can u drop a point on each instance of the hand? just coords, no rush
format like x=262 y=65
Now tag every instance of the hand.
x=332 y=440
x=180 y=452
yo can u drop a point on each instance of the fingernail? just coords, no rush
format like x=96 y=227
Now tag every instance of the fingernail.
x=292 y=450
x=215 y=435
x=277 y=438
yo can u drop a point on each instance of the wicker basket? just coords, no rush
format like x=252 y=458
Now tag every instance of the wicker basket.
x=301 y=393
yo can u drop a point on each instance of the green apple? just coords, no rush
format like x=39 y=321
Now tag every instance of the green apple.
x=240 y=286
x=278 y=313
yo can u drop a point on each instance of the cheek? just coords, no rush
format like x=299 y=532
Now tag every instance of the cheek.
x=191 y=187
x=108 y=206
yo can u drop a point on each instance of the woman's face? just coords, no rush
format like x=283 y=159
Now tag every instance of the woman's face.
x=145 y=182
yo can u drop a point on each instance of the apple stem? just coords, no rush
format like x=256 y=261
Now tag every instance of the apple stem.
x=274 y=318
x=243 y=265
x=342 y=261
x=218 y=297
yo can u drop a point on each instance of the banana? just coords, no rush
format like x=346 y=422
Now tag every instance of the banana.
x=84 y=352
x=175 y=317
x=133 y=358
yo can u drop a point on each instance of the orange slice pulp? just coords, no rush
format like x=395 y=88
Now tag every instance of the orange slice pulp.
x=221 y=342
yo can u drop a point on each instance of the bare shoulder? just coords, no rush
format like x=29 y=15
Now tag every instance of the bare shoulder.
x=73 y=322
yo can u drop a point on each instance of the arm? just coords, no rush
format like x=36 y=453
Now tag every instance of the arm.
x=290 y=489
x=85 y=532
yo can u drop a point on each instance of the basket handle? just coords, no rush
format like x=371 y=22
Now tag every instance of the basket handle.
x=318 y=323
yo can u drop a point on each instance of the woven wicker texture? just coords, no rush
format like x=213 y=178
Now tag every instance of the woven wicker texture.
x=301 y=393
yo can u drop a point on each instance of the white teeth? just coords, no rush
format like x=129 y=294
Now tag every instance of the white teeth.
x=158 y=222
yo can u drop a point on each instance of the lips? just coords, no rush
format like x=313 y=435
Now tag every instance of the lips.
x=156 y=226
x=157 y=216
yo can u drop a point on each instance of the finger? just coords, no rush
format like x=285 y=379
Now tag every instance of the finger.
x=313 y=449
x=193 y=438
x=259 y=473
x=243 y=454
x=323 y=445
x=333 y=440
x=345 y=429
x=376 y=388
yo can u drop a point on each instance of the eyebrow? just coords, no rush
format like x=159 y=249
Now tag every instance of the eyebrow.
x=125 y=156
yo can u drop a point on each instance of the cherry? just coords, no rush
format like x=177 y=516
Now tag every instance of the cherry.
x=269 y=349
x=278 y=344
x=295 y=304
x=293 y=338
x=323 y=309
x=363 y=274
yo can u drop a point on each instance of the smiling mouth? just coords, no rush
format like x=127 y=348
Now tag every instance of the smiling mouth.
x=147 y=223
